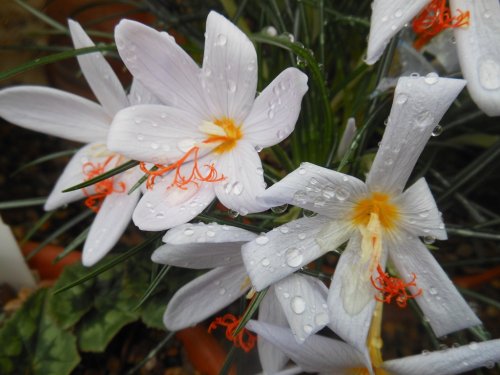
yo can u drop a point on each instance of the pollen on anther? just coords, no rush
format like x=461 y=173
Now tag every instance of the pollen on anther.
x=393 y=288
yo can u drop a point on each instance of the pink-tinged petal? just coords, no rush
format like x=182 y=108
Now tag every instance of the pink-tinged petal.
x=154 y=133
x=244 y=179
x=229 y=73
x=108 y=226
x=282 y=251
x=444 y=307
x=317 y=189
x=202 y=246
x=478 y=47
x=155 y=59
x=204 y=296
x=272 y=359
x=276 y=109
x=303 y=299
x=419 y=213
x=167 y=206
x=351 y=299
x=388 y=17
x=73 y=174
x=418 y=106
x=447 y=362
x=316 y=354
x=54 y=112
x=139 y=94
x=102 y=80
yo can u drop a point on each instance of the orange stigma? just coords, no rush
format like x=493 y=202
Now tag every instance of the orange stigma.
x=180 y=180
x=102 y=188
x=435 y=18
x=244 y=339
x=393 y=287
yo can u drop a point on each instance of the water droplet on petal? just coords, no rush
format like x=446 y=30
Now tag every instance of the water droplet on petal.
x=188 y=232
x=473 y=345
x=265 y=262
x=262 y=240
x=298 y=305
x=431 y=78
x=489 y=74
x=321 y=319
x=231 y=86
x=429 y=240
x=401 y=99
x=222 y=291
x=210 y=233
x=279 y=209
x=308 y=328
x=238 y=188
x=294 y=257
x=232 y=213
x=221 y=40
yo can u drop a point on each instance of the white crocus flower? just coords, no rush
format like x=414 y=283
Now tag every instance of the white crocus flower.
x=478 y=42
x=376 y=218
x=210 y=113
x=298 y=299
x=68 y=116
x=328 y=356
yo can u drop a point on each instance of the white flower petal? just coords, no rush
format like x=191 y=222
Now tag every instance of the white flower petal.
x=102 y=80
x=74 y=174
x=108 y=226
x=276 y=109
x=244 y=179
x=282 y=251
x=54 y=112
x=155 y=59
x=478 y=47
x=202 y=246
x=271 y=357
x=419 y=213
x=351 y=299
x=204 y=296
x=229 y=73
x=418 y=106
x=447 y=362
x=317 y=189
x=441 y=303
x=347 y=137
x=288 y=371
x=303 y=299
x=139 y=94
x=316 y=354
x=154 y=133
x=388 y=17
x=165 y=207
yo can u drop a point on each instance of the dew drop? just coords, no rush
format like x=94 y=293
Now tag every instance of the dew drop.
x=258 y=149
x=425 y=352
x=188 y=232
x=398 y=13
x=262 y=240
x=321 y=319
x=265 y=262
x=294 y=257
x=308 y=328
x=438 y=129
x=210 y=233
x=279 y=209
x=433 y=291
x=160 y=215
x=302 y=236
x=342 y=194
x=431 y=78
x=473 y=345
x=155 y=146
x=140 y=137
x=284 y=229
x=231 y=86
x=429 y=240
x=271 y=31
x=222 y=291
x=286 y=295
x=298 y=305
x=401 y=99
x=489 y=74
x=302 y=170
x=238 y=188
x=232 y=213
x=221 y=40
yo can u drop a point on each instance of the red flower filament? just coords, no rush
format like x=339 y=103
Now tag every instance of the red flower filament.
x=435 y=18
x=393 y=287
x=180 y=180
x=244 y=339
x=102 y=188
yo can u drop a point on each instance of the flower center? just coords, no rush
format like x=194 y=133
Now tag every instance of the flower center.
x=380 y=205
x=435 y=18
x=244 y=339
x=222 y=133
x=102 y=188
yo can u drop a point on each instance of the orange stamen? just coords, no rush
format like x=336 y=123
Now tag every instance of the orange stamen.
x=435 y=18
x=102 y=188
x=244 y=339
x=393 y=287
x=181 y=181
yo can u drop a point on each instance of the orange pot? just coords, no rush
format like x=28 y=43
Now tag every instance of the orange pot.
x=42 y=262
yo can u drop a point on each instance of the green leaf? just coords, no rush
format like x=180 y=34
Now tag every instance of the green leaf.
x=43 y=159
x=22 y=203
x=32 y=342
x=125 y=166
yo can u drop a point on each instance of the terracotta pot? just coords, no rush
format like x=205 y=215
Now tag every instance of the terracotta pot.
x=42 y=262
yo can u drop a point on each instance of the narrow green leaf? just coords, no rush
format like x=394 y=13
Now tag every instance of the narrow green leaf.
x=22 y=203
x=111 y=263
x=480 y=297
x=42 y=16
x=43 y=159
x=37 y=226
x=226 y=367
x=152 y=353
x=112 y=172
x=77 y=241
x=53 y=58
x=154 y=284
x=251 y=310
x=63 y=228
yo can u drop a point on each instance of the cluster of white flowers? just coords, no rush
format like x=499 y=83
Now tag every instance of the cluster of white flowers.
x=197 y=133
